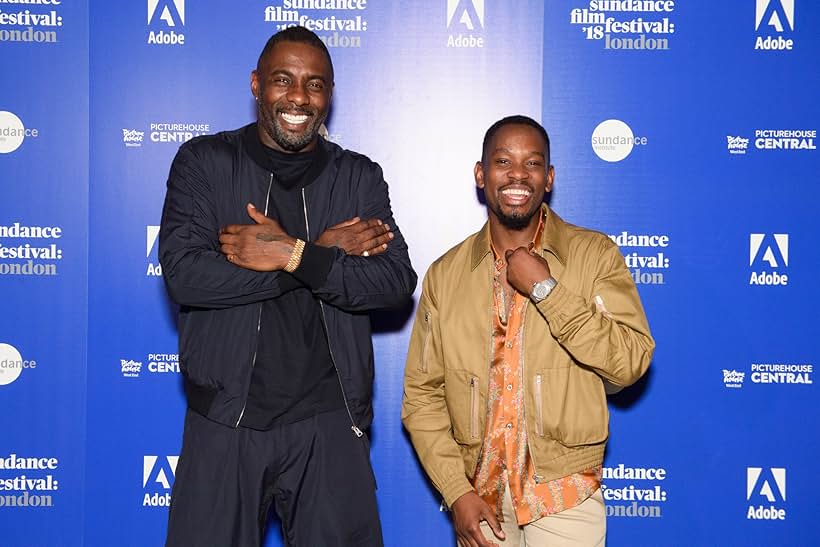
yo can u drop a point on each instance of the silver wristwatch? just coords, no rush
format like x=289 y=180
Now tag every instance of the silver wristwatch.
x=542 y=289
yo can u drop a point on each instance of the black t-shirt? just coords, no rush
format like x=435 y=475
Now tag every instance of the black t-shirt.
x=293 y=376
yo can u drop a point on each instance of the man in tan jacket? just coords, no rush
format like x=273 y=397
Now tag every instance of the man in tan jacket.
x=521 y=330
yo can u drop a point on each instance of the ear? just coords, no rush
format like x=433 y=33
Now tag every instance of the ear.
x=254 y=84
x=478 y=172
x=550 y=179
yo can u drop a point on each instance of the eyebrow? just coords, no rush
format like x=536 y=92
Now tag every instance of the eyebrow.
x=502 y=149
x=290 y=74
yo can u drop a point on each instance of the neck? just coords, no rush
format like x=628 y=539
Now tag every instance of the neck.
x=505 y=239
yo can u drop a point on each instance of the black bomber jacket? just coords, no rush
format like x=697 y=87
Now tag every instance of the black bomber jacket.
x=212 y=179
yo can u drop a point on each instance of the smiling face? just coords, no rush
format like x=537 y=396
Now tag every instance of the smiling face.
x=515 y=176
x=292 y=85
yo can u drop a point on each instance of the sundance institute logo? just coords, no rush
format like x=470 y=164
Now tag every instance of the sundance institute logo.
x=613 y=140
x=12 y=364
x=13 y=132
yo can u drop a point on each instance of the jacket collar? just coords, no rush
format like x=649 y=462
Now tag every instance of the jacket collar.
x=258 y=152
x=553 y=239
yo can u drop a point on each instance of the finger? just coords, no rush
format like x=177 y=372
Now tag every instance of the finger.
x=256 y=215
x=372 y=239
x=374 y=233
x=468 y=540
x=232 y=229
x=375 y=250
x=237 y=260
x=346 y=223
x=229 y=250
x=478 y=539
x=372 y=223
x=228 y=238
x=492 y=520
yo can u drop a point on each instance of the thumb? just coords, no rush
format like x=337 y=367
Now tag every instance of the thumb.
x=257 y=215
x=492 y=520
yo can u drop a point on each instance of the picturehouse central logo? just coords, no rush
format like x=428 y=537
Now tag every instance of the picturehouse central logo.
x=169 y=16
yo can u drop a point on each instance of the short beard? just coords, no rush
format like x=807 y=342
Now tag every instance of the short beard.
x=288 y=141
x=514 y=222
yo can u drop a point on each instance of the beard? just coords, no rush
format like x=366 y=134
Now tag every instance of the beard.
x=288 y=140
x=517 y=219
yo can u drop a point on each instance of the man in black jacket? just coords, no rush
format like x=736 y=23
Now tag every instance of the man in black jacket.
x=275 y=243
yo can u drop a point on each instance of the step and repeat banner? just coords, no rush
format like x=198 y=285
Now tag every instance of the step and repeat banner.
x=686 y=131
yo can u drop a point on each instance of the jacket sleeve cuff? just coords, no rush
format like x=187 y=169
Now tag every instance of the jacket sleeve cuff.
x=315 y=265
x=553 y=307
x=454 y=489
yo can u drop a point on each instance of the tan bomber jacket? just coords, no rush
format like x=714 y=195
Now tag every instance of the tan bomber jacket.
x=589 y=331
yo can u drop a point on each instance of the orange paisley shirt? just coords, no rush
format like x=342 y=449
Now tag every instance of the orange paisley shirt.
x=505 y=457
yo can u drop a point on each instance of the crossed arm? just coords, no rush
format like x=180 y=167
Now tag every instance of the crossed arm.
x=211 y=266
x=265 y=246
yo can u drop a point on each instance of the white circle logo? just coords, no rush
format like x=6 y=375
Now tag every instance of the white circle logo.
x=11 y=364
x=12 y=132
x=613 y=140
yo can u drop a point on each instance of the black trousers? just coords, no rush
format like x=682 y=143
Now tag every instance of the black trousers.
x=315 y=472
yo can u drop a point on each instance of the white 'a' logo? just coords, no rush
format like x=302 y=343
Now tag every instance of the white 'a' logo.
x=759 y=481
x=170 y=11
x=469 y=13
x=151 y=235
x=781 y=244
x=774 y=13
x=156 y=470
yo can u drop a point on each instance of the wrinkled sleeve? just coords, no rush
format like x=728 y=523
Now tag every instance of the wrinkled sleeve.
x=424 y=409
x=196 y=273
x=610 y=334
x=387 y=280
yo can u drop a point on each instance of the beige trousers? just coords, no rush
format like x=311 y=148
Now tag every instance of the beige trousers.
x=581 y=526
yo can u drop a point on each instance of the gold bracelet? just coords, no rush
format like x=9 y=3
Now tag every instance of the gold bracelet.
x=295 y=256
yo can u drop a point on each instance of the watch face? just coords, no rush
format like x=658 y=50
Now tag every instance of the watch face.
x=542 y=289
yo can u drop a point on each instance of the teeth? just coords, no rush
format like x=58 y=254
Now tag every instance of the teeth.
x=516 y=192
x=294 y=118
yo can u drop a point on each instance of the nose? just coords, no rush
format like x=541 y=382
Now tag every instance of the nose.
x=518 y=171
x=297 y=94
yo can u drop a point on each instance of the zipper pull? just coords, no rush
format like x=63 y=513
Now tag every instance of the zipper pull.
x=357 y=431
x=427 y=317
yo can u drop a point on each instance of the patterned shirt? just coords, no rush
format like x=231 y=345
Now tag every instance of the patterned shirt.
x=505 y=457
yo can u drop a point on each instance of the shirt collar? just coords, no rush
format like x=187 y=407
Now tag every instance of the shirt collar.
x=554 y=239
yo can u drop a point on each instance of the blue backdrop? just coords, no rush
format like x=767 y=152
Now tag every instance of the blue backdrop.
x=684 y=130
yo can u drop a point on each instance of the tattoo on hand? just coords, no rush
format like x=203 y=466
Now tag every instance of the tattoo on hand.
x=265 y=237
